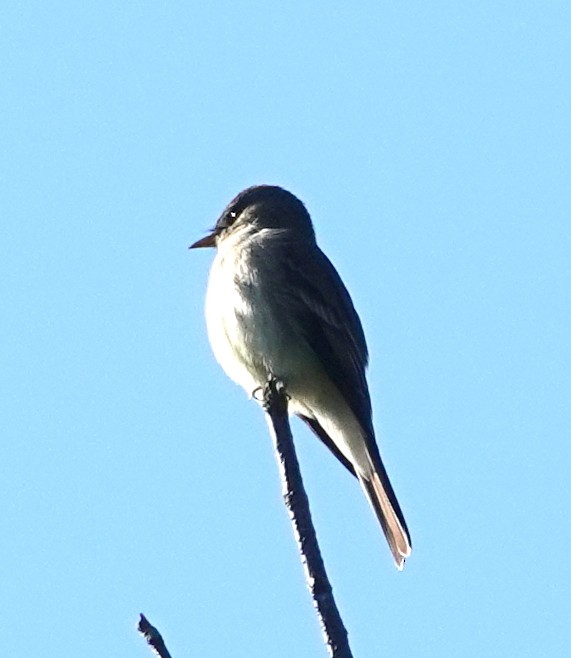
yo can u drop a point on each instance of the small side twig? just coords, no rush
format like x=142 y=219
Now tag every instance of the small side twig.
x=153 y=637
x=275 y=402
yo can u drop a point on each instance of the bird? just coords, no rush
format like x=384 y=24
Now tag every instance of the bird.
x=276 y=307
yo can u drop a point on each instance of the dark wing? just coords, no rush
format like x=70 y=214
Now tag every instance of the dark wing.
x=322 y=308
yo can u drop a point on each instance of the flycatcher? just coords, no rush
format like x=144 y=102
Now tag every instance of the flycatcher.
x=276 y=306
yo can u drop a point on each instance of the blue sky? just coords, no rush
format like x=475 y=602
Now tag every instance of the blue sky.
x=431 y=144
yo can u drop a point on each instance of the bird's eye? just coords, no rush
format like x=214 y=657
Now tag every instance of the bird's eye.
x=227 y=219
x=230 y=218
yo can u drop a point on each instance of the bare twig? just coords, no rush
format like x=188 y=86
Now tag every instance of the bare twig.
x=153 y=637
x=275 y=402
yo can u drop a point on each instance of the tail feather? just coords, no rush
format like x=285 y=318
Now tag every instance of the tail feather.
x=379 y=494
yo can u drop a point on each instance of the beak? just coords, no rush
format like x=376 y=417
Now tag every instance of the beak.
x=206 y=241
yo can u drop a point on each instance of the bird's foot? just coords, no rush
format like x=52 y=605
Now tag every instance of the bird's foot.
x=272 y=392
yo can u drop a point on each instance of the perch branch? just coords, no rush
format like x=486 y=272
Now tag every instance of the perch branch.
x=153 y=637
x=275 y=402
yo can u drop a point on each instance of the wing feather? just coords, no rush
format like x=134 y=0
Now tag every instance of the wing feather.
x=323 y=312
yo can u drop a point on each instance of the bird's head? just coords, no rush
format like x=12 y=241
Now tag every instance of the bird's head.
x=260 y=207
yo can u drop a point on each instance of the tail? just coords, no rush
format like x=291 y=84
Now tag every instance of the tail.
x=382 y=498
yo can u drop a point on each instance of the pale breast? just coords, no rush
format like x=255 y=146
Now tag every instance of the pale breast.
x=240 y=323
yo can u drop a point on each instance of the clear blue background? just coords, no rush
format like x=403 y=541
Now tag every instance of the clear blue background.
x=431 y=143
